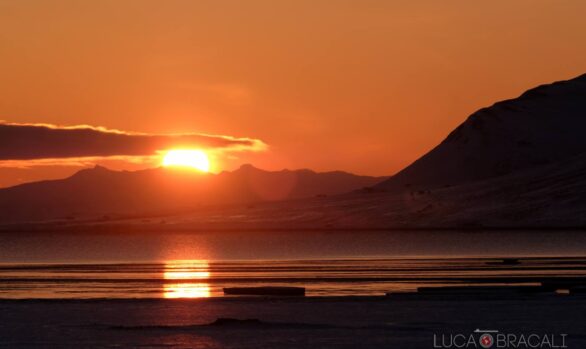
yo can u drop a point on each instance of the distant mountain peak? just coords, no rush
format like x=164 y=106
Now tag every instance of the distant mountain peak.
x=100 y=168
x=97 y=169
x=247 y=167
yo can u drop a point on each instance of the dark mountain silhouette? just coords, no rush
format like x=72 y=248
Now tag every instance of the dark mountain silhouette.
x=103 y=192
x=543 y=125
x=549 y=196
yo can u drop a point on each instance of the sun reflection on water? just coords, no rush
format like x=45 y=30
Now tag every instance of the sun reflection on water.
x=186 y=279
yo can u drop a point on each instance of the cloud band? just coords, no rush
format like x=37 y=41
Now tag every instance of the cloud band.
x=44 y=141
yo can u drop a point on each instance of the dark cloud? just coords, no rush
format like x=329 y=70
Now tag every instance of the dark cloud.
x=40 y=141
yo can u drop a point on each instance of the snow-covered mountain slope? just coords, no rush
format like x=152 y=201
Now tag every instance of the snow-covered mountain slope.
x=543 y=125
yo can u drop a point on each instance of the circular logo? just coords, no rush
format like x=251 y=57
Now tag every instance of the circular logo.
x=486 y=340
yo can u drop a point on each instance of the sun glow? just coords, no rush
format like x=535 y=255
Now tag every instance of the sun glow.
x=186 y=279
x=196 y=159
x=186 y=290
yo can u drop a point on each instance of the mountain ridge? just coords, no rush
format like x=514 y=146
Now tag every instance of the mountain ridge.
x=100 y=191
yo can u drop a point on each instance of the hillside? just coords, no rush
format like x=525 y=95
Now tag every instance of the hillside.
x=543 y=125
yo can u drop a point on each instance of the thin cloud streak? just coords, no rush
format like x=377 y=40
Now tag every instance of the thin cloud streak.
x=30 y=144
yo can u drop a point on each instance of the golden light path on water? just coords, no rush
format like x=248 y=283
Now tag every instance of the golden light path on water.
x=184 y=279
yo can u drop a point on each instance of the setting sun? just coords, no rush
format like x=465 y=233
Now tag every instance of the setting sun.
x=195 y=159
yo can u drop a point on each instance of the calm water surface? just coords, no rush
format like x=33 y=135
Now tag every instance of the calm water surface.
x=192 y=265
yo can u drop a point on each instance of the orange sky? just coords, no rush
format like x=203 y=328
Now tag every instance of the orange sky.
x=364 y=86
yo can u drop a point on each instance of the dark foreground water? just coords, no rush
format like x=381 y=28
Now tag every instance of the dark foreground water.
x=292 y=323
x=199 y=265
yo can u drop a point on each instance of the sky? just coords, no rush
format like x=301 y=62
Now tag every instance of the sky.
x=363 y=86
